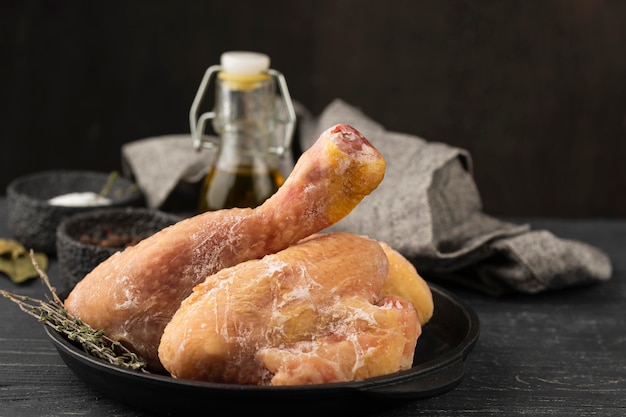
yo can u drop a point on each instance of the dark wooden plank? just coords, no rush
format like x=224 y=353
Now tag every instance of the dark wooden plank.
x=554 y=354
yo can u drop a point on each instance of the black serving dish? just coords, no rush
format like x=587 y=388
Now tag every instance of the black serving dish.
x=33 y=221
x=438 y=366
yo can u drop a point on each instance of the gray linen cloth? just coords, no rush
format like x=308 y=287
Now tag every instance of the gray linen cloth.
x=160 y=163
x=427 y=207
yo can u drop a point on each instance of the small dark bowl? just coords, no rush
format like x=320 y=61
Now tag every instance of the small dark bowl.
x=33 y=221
x=76 y=259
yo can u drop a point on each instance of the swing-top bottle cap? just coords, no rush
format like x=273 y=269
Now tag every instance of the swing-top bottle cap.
x=244 y=63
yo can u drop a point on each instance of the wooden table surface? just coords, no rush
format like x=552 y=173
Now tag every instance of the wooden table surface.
x=555 y=354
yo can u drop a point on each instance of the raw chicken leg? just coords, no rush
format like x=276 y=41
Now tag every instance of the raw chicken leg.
x=133 y=294
x=308 y=314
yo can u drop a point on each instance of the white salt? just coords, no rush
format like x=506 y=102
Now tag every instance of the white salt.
x=83 y=199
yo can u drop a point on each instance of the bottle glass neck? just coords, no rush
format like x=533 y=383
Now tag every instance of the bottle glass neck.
x=245 y=121
x=245 y=112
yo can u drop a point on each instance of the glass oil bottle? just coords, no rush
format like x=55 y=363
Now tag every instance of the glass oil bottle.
x=246 y=120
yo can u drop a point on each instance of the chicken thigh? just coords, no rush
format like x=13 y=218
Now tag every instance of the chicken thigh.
x=308 y=314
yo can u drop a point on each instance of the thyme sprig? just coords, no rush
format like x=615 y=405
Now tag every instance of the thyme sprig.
x=52 y=313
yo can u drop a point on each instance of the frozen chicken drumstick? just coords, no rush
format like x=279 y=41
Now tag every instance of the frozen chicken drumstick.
x=133 y=294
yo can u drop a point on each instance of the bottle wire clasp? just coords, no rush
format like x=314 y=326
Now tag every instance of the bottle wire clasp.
x=197 y=122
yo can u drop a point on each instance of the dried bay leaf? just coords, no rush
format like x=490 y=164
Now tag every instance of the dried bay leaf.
x=15 y=262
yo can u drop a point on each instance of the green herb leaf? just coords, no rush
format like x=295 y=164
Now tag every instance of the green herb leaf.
x=15 y=263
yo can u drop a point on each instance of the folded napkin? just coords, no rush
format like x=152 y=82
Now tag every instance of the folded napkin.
x=428 y=208
x=160 y=163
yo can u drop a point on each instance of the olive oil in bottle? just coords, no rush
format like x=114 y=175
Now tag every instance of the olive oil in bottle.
x=239 y=188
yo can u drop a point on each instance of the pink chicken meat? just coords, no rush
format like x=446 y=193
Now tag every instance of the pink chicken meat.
x=134 y=294
x=309 y=314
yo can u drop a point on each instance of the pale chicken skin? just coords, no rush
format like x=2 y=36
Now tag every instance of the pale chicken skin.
x=309 y=314
x=403 y=280
x=134 y=294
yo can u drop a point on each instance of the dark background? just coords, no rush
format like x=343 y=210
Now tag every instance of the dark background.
x=535 y=90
